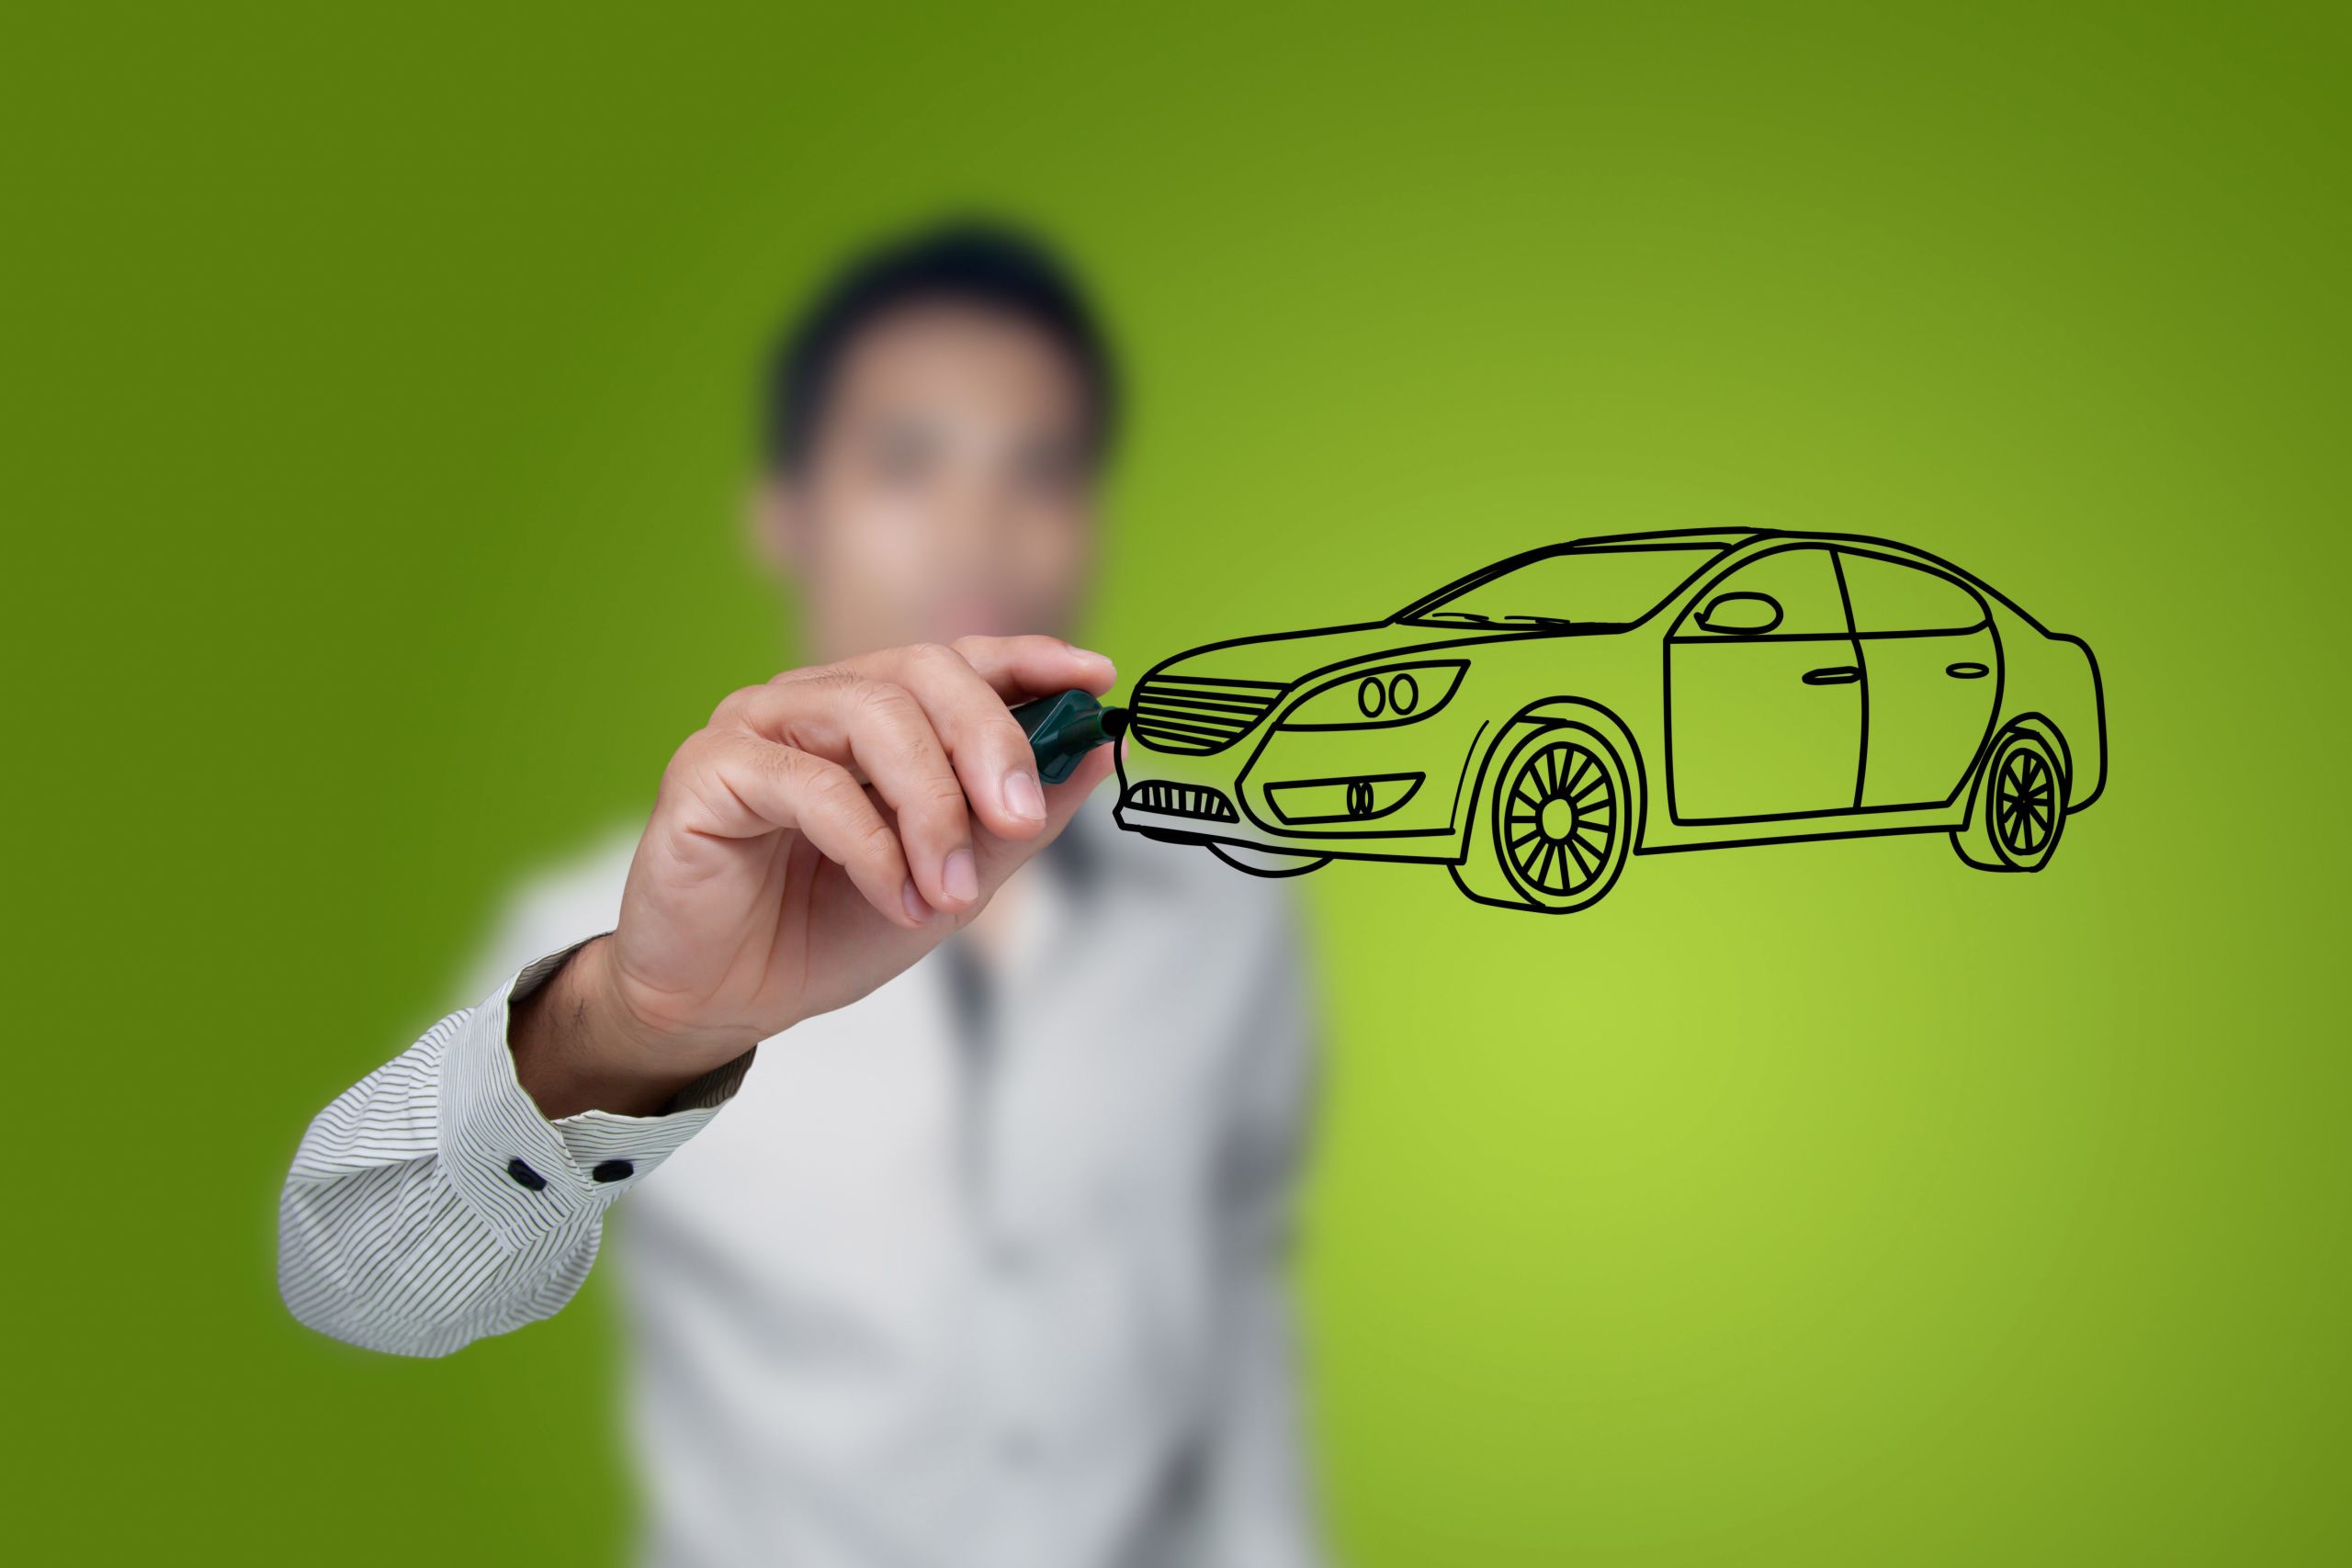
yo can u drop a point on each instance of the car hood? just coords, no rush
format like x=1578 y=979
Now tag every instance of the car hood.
x=1288 y=657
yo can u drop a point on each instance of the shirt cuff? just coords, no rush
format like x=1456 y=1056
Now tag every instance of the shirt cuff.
x=525 y=1176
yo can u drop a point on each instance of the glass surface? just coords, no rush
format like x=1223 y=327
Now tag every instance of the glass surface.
x=1888 y=596
x=1588 y=587
x=1803 y=582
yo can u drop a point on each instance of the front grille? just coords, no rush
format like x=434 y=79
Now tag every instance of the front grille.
x=1192 y=715
x=1182 y=800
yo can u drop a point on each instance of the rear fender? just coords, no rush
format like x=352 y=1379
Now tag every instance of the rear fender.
x=2051 y=735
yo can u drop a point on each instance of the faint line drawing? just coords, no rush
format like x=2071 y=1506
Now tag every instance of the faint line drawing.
x=1534 y=725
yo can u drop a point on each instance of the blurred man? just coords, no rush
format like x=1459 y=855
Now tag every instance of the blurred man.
x=982 y=1268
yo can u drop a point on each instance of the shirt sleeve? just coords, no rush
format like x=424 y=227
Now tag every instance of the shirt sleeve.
x=432 y=1204
x=1257 y=1492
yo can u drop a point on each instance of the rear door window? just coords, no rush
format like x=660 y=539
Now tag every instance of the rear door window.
x=1893 y=596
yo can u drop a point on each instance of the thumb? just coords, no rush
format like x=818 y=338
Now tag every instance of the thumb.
x=1000 y=858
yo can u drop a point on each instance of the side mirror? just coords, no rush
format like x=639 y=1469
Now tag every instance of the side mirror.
x=1740 y=615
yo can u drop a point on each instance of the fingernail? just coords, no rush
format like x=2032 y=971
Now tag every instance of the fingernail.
x=961 y=877
x=1022 y=797
x=917 y=910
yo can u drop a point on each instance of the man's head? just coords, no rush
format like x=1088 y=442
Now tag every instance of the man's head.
x=936 y=426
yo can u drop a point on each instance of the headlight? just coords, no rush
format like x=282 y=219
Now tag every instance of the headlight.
x=1397 y=693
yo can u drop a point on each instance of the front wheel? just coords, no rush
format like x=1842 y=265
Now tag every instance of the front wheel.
x=1555 y=824
x=2020 y=805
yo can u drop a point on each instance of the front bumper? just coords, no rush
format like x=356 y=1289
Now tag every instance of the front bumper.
x=1390 y=793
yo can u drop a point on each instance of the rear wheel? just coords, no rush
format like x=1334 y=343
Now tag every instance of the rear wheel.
x=2020 y=805
x=1556 y=823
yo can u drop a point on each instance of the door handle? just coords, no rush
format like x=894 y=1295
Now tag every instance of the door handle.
x=1835 y=675
x=1967 y=671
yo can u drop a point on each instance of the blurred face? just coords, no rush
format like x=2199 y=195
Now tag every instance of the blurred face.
x=948 y=488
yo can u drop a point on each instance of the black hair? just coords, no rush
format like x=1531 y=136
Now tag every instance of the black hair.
x=983 y=265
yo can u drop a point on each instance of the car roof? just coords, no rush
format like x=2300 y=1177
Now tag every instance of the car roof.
x=1727 y=537
x=1675 y=536
x=1670 y=536
x=1731 y=538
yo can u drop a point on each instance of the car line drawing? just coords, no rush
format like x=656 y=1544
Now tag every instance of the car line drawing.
x=1536 y=723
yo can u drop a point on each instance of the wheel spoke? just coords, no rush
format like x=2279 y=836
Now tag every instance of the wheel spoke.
x=1579 y=779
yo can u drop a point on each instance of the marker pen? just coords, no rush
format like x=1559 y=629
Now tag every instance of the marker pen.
x=1062 y=730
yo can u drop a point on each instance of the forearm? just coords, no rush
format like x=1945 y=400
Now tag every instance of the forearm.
x=394 y=1261
x=433 y=1203
x=576 y=1050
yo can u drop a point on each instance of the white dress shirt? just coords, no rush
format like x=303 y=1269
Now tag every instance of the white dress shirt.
x=983 y=1269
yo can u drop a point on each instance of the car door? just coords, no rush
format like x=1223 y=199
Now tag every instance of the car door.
x=1764 y=693
x=1931 y=678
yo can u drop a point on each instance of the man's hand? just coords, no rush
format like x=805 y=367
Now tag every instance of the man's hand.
x=820 y=835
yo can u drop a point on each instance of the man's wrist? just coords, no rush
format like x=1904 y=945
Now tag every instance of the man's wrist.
x=576 y=1047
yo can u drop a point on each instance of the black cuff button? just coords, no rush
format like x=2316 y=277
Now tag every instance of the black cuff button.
x=614 y=1170
x=524 y=1177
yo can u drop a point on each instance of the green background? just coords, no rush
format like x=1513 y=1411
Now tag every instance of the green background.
x=375 y=387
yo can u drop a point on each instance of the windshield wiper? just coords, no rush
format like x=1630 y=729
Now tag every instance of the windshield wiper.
x=1542 y=620
x=1459 y=617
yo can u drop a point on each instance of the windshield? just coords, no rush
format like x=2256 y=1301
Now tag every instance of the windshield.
x=1605 y=585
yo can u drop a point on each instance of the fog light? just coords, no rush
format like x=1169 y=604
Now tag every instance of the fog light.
x=1342 y=800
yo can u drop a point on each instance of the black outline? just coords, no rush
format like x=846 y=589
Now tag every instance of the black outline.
x=1368 y=783
x=1212 y=806
x=1720 y=599
x=1183 y=729
x=1495 y=877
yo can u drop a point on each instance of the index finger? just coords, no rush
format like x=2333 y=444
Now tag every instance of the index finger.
x=1018 y=667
